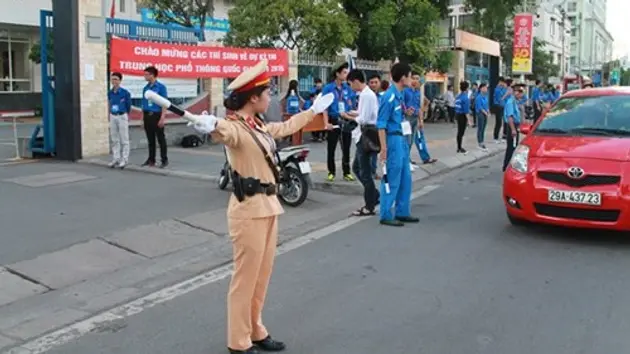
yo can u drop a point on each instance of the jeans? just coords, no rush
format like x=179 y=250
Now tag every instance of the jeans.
x=482 y=121
x=511 y=143
x=374 y=165
x=363 y=169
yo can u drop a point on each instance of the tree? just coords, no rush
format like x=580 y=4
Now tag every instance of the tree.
x=34 y=53
x=187 y=13
x=443 y=62
x=320 y=28
x=543 y=67
x=389 y=29
x=492 y=19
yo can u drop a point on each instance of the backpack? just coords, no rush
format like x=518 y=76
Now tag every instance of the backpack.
x=190 y=141
x=293 y=104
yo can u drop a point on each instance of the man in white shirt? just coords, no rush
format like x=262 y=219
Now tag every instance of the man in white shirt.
x=365 y=137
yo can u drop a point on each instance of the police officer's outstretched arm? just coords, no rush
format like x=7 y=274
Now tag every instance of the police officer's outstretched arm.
x=221 y=130
x=300 y=120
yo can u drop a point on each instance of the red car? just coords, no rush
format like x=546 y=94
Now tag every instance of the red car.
x=573 y=166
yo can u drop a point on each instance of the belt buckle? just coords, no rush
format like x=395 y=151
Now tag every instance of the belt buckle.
x=270 y=189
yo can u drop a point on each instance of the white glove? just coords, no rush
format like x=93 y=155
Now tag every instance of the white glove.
x=205 y=124
x=322 y=103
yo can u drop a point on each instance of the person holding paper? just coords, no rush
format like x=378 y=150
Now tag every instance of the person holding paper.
x=393 y=130
x=365 y=137
x=413 y=105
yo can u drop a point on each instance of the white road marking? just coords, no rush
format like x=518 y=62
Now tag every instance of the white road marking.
x=79 y=329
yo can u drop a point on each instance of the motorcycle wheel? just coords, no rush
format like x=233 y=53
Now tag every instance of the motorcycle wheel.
x=294 y=190
x=224 y=179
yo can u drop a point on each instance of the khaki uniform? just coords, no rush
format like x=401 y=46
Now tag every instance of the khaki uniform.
x=252 y=224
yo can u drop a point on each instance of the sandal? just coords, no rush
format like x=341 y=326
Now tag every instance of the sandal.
x=363 y=212
x=430 y=161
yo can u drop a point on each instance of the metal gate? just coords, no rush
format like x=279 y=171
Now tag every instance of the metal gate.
x=117 y=27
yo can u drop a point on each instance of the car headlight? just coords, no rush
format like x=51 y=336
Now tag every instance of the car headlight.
x=519 y=159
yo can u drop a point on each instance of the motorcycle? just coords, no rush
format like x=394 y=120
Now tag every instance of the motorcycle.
x=295 y=179
x=437 y=110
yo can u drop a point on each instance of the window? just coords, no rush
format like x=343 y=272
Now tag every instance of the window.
x=572 y=7
x=588 y=116
x=552 y=28
x=573 y=47
x=121 y=6
x=15 y=67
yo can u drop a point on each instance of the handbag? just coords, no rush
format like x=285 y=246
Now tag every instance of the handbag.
x=370 y=141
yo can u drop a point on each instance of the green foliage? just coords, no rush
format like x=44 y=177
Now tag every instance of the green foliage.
x=406 y=29
x=442 y=62
x=187 y=13
x=320 y=28
x=492 y=19
x=543 y=66
x=34 y=53
x=442 y=7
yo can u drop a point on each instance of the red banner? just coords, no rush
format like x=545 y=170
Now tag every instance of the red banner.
x=185 y=61
x=523 y=58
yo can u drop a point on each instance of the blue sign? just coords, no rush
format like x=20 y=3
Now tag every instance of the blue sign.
x=212 y=24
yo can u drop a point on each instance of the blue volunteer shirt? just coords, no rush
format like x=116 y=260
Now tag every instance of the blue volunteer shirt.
x=462 y=103
x=158 y=88
x=499 y=91
x=412 y=98
x=119 y=101
x=481 y=103
x=390 y=112
x=511 y=110
x=536 y=97
x=523 y=100
x=307 y=104
x=342 y=101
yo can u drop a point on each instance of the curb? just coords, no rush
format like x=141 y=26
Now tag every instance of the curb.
x=344 y=188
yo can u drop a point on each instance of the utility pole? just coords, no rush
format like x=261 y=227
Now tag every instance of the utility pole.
x=563 y=14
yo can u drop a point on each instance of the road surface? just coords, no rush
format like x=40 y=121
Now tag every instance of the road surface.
x=462 y=281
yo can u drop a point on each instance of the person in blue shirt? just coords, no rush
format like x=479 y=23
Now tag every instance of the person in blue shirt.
x=154 y=117
x=482 y=111
x=462 y=110
x=497 y=105
x=337 y=119
x=412 y=105
x=292 y=103
x=537 y=93
x=392 y=130
x=119 y=102
x=474 y=91
x=318 y=136
x=512 y=120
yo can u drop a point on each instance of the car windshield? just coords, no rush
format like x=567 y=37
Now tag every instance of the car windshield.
x=590 y=116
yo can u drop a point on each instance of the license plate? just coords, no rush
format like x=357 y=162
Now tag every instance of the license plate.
x=575 y=197
x=305 y=167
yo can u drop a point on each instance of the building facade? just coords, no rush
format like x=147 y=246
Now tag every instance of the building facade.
x=591 y=43
x=20 y=77
x=554 y=29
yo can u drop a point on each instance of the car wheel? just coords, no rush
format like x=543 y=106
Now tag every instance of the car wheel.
x=516 y=221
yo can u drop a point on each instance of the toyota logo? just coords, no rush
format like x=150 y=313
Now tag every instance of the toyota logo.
x=575 y=172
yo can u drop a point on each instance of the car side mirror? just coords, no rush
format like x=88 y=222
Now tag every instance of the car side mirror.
x=525 y=128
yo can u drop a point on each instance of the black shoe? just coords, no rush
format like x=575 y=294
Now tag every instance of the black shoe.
x=251 y=350
x=408 y=219
x=164 y=164
x=392 y=223
x=148 y=163
x=269 y=345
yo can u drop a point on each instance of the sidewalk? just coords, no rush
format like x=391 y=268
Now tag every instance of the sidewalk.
x=205 y=163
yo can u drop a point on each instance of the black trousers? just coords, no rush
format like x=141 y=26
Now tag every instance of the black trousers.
x=335 y=136
x=150 y=120
x=511 y=143
x=462 y=121
x=498 y=122
x=451 y=113
x=537 y=113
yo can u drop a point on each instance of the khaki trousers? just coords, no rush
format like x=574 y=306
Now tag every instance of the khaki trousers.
x=254 y=246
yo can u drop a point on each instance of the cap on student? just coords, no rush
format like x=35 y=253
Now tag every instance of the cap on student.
x=251 y=78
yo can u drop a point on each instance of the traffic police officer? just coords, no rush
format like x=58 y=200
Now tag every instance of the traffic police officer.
x=393 y=131
x=253 y=208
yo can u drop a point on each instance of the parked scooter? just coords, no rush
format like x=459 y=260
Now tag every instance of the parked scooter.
x=437 y=110
x=295 y=179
